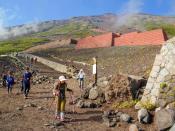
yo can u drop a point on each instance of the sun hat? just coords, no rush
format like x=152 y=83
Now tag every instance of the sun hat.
x=62 y=78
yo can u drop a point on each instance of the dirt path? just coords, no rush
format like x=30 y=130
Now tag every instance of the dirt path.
x=19 y=114
x=33 y=114
x=33 y=118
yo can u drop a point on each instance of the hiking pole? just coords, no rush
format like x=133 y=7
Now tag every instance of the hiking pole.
x=51 y=104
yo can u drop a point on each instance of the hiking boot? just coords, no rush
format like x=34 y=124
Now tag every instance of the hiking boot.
x=61 y=116
x=62 y=119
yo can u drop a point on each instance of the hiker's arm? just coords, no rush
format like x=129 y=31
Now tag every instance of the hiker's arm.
x=55 y=89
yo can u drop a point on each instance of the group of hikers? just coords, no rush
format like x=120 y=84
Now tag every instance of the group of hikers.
x=59 y=88
x=9 y=81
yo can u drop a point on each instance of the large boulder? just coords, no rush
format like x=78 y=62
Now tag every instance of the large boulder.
x=85 y=93
x=123 y=87
x=80 y=104
x=164 y=119
x=125 y=118
x=103 y=82
x=93 y=93
x=89 y=104
x=171 y=106
x=133 y=127
x=144 y=116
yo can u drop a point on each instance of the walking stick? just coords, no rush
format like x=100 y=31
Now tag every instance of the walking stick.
x=51 y=104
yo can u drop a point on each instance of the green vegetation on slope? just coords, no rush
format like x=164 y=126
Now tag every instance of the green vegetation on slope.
x=19 y=44
x=168 y=28
x=73 y=29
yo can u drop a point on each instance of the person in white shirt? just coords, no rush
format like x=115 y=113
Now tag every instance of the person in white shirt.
x=81 y=76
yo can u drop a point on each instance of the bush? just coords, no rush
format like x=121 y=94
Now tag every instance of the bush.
x=125 y=104
x=147 y=105
x=163 y=85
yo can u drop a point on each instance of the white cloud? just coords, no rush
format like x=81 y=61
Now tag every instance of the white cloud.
x=7 y=15
x=3 y=31
x=127 y=11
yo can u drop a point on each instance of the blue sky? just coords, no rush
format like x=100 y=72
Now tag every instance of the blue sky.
x=15 y=12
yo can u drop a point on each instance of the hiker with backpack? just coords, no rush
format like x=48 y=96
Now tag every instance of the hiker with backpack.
x=26 y=82
x=80 y=77
x=10 y=82
x=59 y=91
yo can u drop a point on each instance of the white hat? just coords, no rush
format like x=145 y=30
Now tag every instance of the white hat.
x=62 y=78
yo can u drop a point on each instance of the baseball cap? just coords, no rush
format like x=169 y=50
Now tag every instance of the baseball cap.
x=62 y=78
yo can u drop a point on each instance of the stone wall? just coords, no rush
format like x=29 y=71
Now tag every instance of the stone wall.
x=54 y=65
x=160 y=88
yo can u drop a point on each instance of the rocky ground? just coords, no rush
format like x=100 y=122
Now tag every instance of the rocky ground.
x=37 y=112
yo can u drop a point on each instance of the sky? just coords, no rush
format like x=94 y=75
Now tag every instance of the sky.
x=16 y=12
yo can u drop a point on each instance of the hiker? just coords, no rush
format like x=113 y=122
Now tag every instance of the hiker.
x=81 y=76
x=35 y=60
x=60 y=88
x=31 y=60
x=94 y=70
x=4 y=79
x=26 y=82
x=10 y=82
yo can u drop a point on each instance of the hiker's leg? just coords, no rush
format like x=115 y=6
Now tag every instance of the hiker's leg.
x=63 y=103
x=28 y=89
x=22 y=86
x=25 y=90
x=11 y=89
x=82 y=84
x=8 y=89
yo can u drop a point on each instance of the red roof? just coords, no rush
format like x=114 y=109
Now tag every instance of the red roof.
x=154 y=37
x=104 y=40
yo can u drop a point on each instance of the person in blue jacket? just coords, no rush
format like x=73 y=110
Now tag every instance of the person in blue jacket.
x=26 y=82
x=10 y=82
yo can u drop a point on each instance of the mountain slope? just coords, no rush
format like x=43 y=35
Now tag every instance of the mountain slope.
x=79 y=27
x=106 y=22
